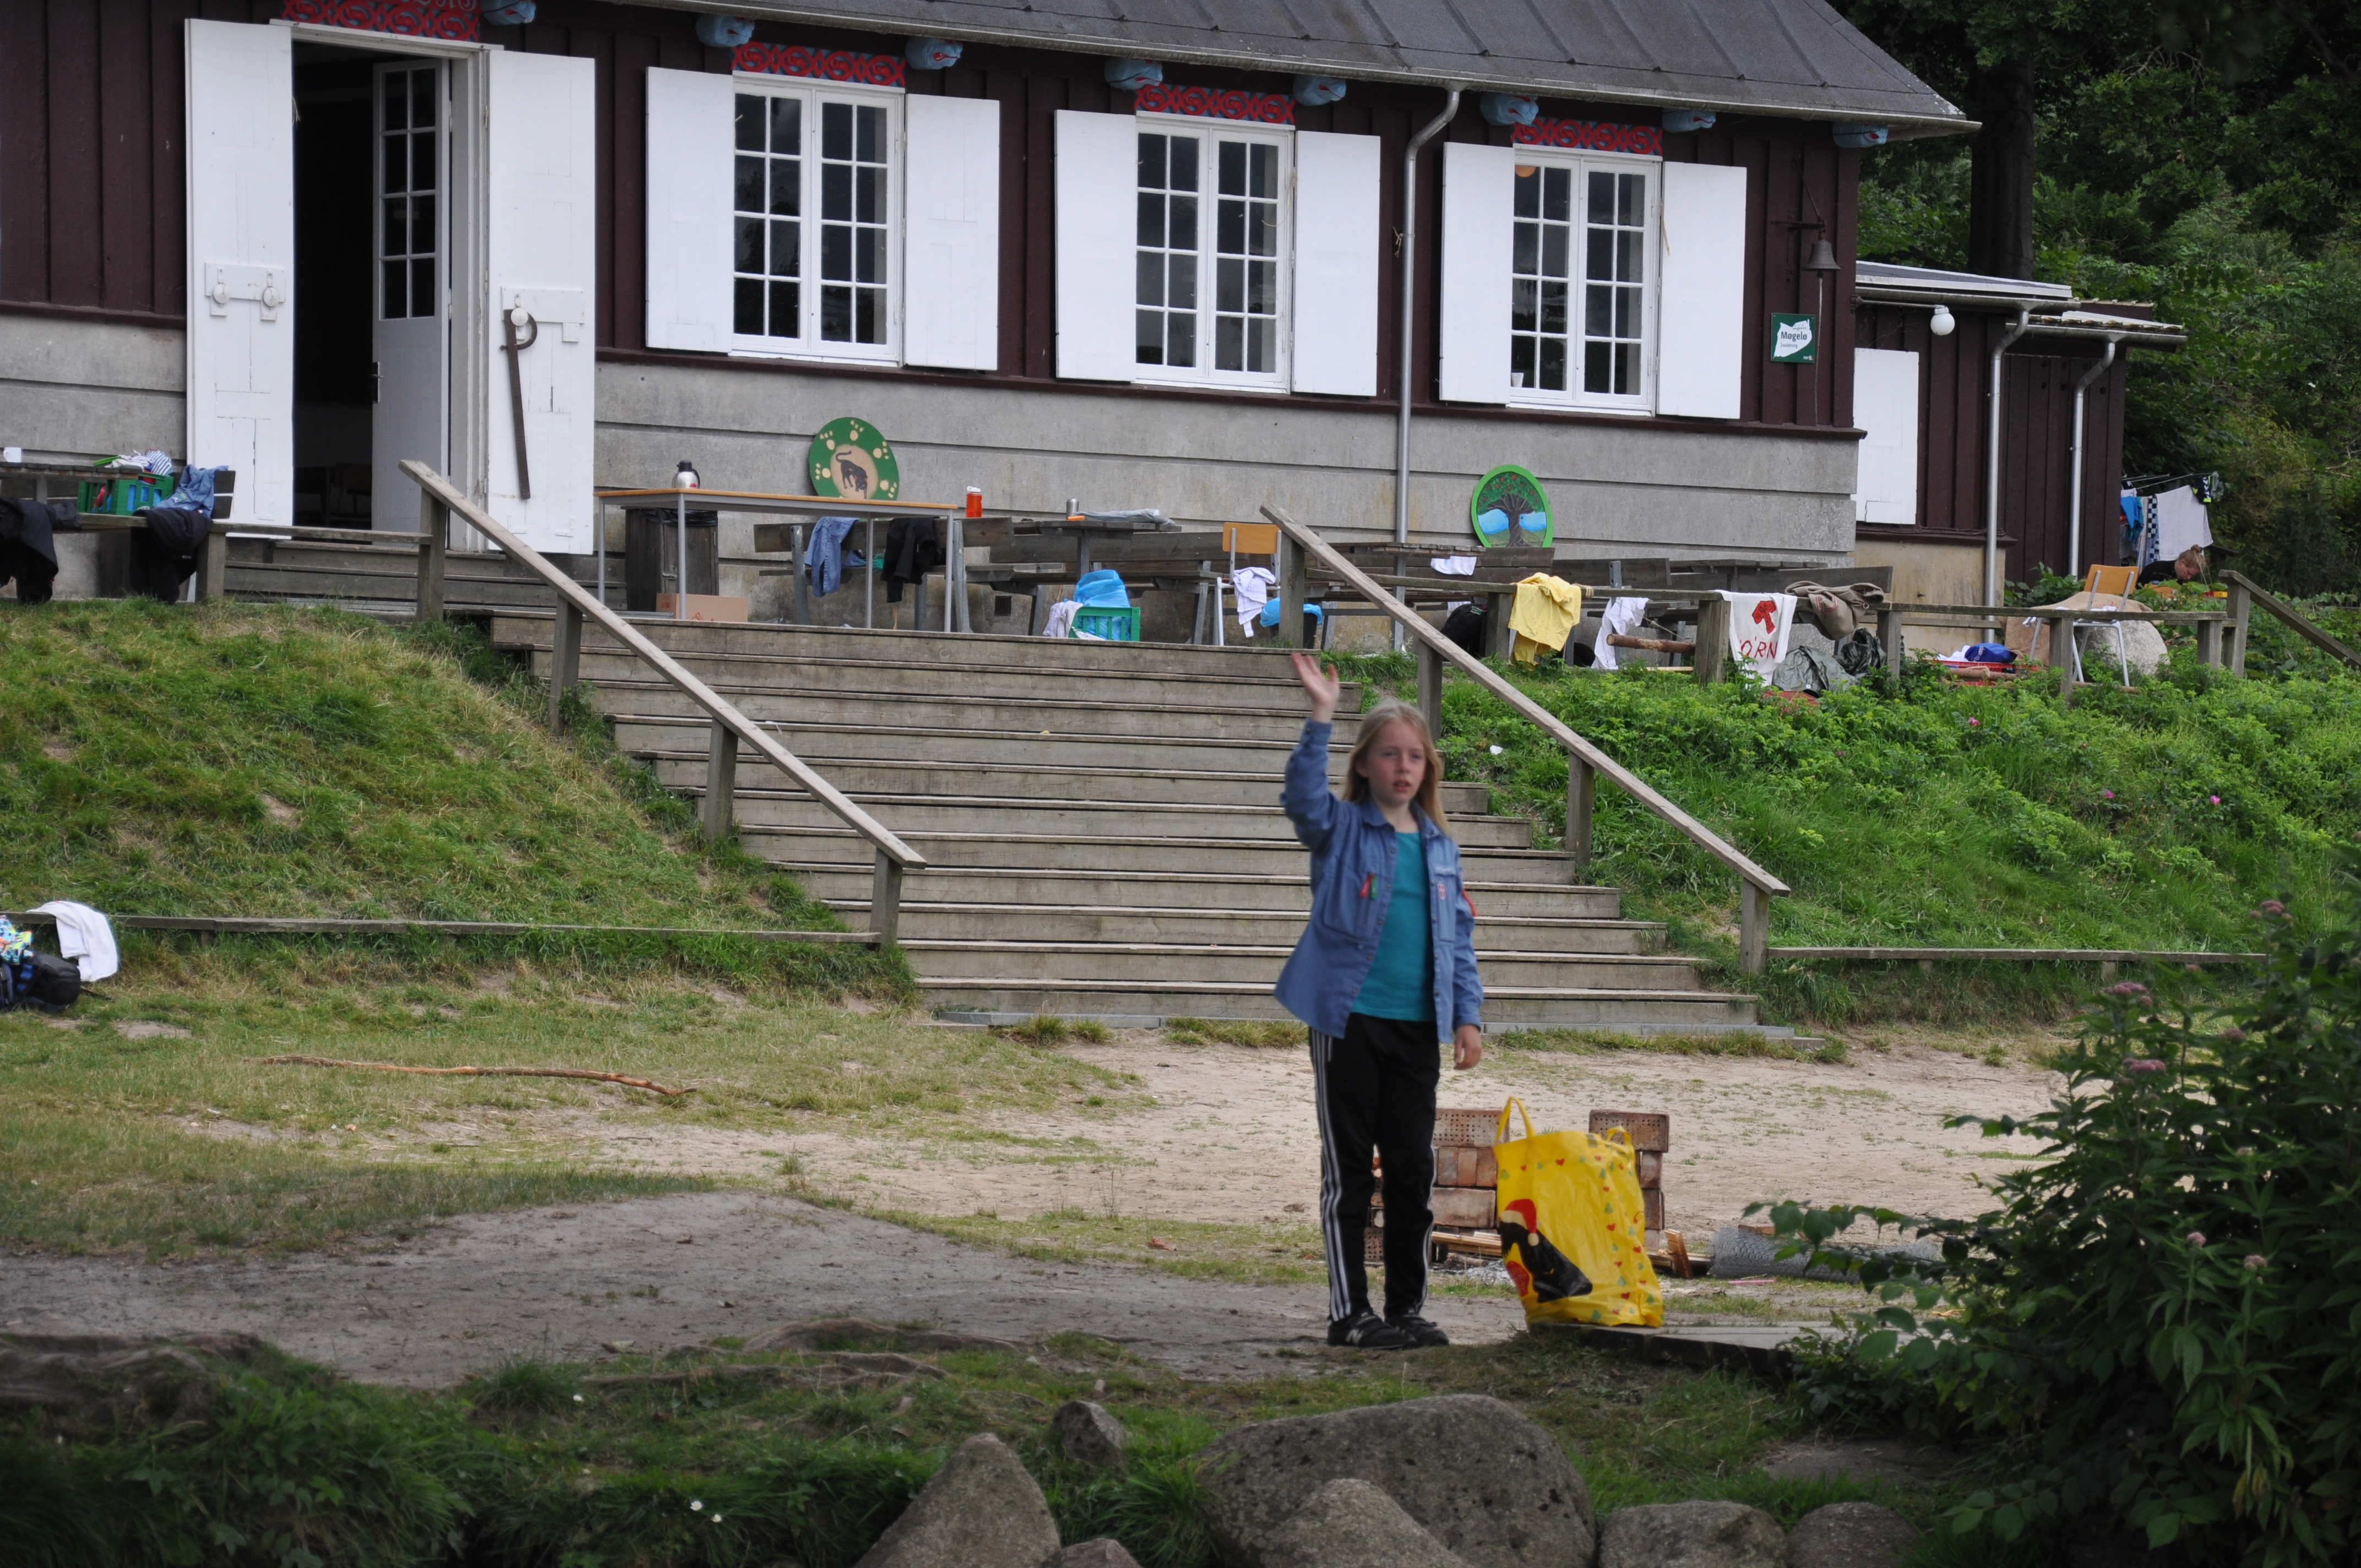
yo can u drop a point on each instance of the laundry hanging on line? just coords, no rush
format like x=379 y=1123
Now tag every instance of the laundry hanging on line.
x=1622 y=617
x=1759 y=625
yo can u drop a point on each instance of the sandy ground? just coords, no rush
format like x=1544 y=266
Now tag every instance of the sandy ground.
x=649 y=1275
x=1231 y=1137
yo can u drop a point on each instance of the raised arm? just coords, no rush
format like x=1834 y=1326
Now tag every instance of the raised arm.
x=1310 y=804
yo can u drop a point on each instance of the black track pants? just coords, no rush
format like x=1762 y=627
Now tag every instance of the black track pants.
x=1376 y=1086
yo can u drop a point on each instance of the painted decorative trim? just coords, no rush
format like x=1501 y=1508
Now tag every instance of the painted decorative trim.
x=828 y=64
x=1213 y=104
x=451 y=20
x=1592 y=136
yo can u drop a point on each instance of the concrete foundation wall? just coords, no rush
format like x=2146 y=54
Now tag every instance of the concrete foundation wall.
x=83 y=387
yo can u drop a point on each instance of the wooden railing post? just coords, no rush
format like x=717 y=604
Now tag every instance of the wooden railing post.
x=1889 y=635
x=1430 y=689
x=565 y=661
x=1498 y=641
x=1290 y=592
x=434 y=527
x=1712 y=641
x=721 y=782
x=1581 y=796
x=2209 y=642
x=2242 y=607
x=1754 y=928
x=885 y=898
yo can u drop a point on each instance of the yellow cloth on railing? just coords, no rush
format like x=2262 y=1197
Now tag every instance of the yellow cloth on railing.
x=1546 y=612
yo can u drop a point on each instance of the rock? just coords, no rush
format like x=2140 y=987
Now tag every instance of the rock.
x=1851 y=1535
x=1091 y=1436
x=860 y=1333
x=1351 y=1524
x=2143 y=648
x=1104 y=1552
x=1480 y=1477
x=98 y=1384
x=1692 y=1535
x=981 y=1510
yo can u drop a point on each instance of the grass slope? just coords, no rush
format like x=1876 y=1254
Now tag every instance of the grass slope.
x=1931 y=814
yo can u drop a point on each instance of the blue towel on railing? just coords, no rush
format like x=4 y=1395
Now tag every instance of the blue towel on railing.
x=824 y=561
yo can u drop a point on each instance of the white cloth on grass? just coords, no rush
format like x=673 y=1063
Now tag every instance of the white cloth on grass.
x=1252 y=585
x=1620 y=619
x=84 y=936
x=2181 y=523
x=1758 y=629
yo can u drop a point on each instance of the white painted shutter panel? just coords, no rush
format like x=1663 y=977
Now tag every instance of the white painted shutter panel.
x=1885 y=406
x=1479 y=198
x=1337 y=242
x=241 y=213
x=691 y=154
x=1701 y=348
x=542 y=132
x=1098 y=228
x=951 y=237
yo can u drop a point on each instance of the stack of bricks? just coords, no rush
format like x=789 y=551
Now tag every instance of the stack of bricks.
x=1652 y=1138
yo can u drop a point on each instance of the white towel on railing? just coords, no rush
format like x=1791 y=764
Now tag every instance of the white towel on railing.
x=1618 y=620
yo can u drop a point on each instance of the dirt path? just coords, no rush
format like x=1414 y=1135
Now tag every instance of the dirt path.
x=664 y=1272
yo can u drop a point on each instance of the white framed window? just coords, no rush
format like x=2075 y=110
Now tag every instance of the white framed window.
x=1583 y=264
x=1215 y=236
x=816 y=220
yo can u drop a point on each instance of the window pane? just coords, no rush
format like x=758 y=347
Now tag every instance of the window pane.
x=869 y=191
x=1147 y=342
x=749 y=245
x=1184 y=224
x=836 y=314
x=1261 y=353
x=786 y=186
x=397 y=165
x=1520 y=362
x=746 y=314
x=1557 y=206
x=1627 y=256
x=1262 y=165
x=869 y=256
x=1597 y=368
x=1233 y=168
x=1262 y=229
x=395 y=241
x=787 y=249
x=1552 y=364
x=1262 y=288
x=1627 y=313
x=1180 y=339
x=747 y=195
x=1184 y=163
x=836 y=140
x=1184 y=282
x=1230 y=226
x=871 y=138
x=1525 y=256
x=786 y=125
x=1524 y=300
x=421 y=98
x=836 y=191
x=423 y=300
x=1528 y=191
x=397 y=290
x=1602 y=254
x=834 y=255
x=1599 y=312
x=421 y=226
x=1151 y=279
x=749 y=123
x=1229 y=343
x=1229 y=287
x=1151 y=165
x=868 y=322
x=1627 y=369
x=422 y=161
x=397 y=105
x=786 y=309
x=1555 y=246
x=1553 y=308
x=1602 y=199
x=1151 y=218
x=1628 y=196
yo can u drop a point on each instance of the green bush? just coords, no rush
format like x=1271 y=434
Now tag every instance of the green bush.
x=2160 y=1329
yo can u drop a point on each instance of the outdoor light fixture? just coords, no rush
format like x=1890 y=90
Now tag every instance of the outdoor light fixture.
x=1941 y=322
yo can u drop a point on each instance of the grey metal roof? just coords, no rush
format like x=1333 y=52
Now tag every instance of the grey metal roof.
x=1794 y=58
x=2051 y=310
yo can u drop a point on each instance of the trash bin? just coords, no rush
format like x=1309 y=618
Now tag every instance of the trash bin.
x=651 y=554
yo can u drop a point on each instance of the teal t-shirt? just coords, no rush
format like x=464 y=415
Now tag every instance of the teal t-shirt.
x=1400 y=984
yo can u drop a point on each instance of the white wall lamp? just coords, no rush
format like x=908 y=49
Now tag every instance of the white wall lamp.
x=1942 y=323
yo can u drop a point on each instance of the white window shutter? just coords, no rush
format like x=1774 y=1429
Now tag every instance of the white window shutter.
x=952 y=239
x=691 y=126
x=1337 y=243
x=1701 y=349
x=542 y=157
x=1885 y=406
x=241 y=216
x=1479 y=198
x=1098 y=229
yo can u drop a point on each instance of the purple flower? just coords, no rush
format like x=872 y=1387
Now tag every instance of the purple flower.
x=2212 y=800
x=2106 y=794
x=2269 y=909
x=2127 y=988
x=1975 y=723
x=2197 y=1238
x=2142 y=1065
x=2256 y=1260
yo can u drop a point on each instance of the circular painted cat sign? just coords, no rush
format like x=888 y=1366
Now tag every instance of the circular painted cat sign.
x=850 y=458
x=1509 y=507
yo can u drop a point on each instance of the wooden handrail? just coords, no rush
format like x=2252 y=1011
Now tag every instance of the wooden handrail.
x=890 y=851
x=2297 y=623
x=1757 y=886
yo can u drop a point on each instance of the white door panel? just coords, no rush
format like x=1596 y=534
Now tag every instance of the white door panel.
x=1479 y=199
x=241 y=216
x=541 y=247
x=1337 y=242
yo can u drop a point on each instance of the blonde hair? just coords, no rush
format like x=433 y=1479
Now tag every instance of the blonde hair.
x=1375 y=722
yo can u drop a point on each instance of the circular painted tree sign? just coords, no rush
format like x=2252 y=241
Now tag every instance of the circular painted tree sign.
x=850 y=458
x=1509 y=507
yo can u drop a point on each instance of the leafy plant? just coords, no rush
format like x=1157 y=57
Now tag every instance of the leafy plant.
x=2160 y=1329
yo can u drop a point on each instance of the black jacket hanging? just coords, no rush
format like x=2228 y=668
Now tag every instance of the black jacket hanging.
x=28 y=554
x=164 y=553
x=911 y=551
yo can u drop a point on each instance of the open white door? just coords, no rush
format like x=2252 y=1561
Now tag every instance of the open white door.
x=241 y=208
x=541 y=250
x=412 y=334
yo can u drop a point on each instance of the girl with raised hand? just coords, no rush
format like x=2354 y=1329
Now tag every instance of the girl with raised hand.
x=1384 y=975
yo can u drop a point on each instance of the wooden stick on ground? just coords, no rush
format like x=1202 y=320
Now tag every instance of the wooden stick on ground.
x=470 y=1071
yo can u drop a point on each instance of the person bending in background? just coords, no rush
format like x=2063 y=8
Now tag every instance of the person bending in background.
x=1384 y=973
x=2187 y=567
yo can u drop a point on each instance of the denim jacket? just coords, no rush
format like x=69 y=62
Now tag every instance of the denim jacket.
x=1353 y=852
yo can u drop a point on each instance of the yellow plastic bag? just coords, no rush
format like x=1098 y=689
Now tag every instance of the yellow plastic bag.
x=1572 y=1227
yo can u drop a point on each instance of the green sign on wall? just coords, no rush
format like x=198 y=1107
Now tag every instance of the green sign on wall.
x=1795 y=340
x=851 y=457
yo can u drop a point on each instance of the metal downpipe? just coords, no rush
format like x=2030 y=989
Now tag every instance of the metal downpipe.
x=1992 y=467
x=2074 y=505
x=1409 y=277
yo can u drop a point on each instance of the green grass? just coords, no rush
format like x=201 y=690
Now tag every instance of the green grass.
x=242 y=760
x=1733 y=1043
x=1938 y=816
x=513 y=1467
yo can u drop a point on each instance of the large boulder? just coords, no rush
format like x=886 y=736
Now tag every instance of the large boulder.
x=1476 y=1476
x=1088 y=1434
x=1351 y=1524
x=2143 y=649
x=1851 y=1535
x=981 y=1510
x=1692 y=1535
